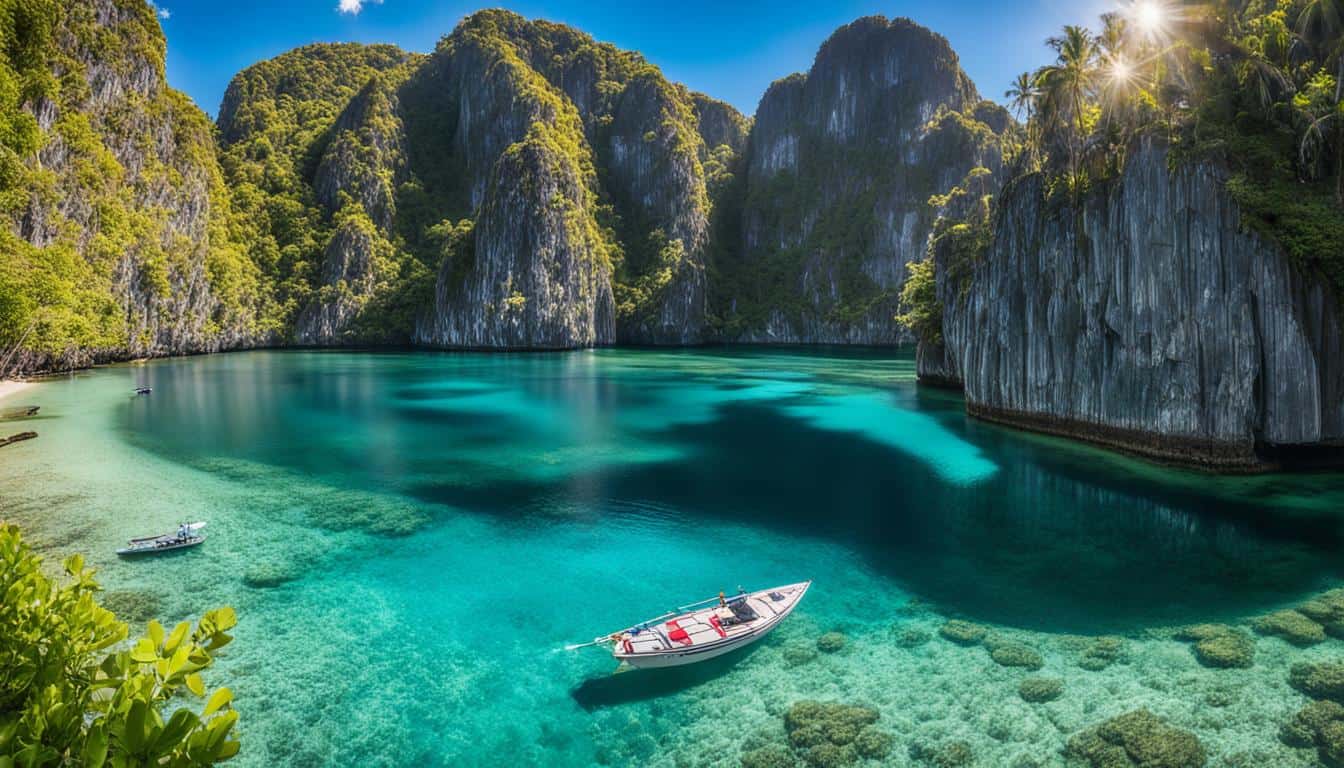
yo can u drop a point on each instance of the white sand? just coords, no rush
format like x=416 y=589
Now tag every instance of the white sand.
x=8 y=388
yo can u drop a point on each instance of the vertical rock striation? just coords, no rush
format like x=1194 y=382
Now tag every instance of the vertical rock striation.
x=1145 y=318
x=118 y=218
x=841 y=164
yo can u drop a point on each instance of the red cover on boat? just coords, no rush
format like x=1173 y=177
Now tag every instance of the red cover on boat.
x=717 y=625
x=676 y=634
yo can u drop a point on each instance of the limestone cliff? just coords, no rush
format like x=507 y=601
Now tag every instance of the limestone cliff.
x=1147 y=318
x=118 y=240
x=841 y=164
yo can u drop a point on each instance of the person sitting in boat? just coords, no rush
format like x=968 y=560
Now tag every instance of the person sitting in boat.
x=184 y=531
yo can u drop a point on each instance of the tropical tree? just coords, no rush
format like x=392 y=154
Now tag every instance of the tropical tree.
x=73 y=694
x=1068 y=85
x=1021 y=96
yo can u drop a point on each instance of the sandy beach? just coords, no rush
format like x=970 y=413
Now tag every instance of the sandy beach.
x=9 y=388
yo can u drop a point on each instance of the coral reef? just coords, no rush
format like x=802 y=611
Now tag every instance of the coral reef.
x=953 y=754
x=1037 y=690
x=1319 y=724
x=1138 y=739
x=963 y=632
x=1292 y=626
x=1102 y=652
x=831 y=642
x=833 y=734
x=1218 y=645
x=1008 y=653
x=1319 y=680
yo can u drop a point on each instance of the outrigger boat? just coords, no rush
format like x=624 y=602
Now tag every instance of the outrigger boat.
x=703 y=630
x=144 y=390
x=187 y=535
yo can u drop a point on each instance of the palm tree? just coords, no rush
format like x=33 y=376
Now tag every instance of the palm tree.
x=1068 y=83
x=1321 y=24
x=1021 y=96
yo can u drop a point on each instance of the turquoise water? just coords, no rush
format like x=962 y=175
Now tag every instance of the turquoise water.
x=410 y=539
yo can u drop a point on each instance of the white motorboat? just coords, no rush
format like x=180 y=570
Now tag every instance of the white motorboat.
x=704 y=630
x=187 y=535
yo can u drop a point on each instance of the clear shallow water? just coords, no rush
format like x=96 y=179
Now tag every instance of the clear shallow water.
x=447 y=521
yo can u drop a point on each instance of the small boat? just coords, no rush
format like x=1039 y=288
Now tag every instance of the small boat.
x=187 y=535
x=143 y=390
x=703 y=630
x=21 y=412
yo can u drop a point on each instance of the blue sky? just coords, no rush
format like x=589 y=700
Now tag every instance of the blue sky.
x=730 y=50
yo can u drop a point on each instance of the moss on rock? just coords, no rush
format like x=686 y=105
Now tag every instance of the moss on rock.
x=1102 y=652
x=1326 y=609
x=829 y=734
x=1016 y=655
x=1293 y=626
x=1220 y=646
x=769 y=756
x=1319 y=680
x=1037 y=690
x=831 y=642
x=964 y=632
x=1318 y=725
x=952 y=754
x=1137 y=738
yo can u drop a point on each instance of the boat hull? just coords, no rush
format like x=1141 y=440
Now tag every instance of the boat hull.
x=159 y=549
x=652 y=647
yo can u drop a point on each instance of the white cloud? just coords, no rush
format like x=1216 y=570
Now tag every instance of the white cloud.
x=162 y=13
x=353 y=7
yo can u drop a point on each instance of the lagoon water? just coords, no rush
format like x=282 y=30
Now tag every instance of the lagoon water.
x=410 y=539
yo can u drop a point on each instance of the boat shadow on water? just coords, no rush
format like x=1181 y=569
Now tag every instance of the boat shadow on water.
x=637 y=685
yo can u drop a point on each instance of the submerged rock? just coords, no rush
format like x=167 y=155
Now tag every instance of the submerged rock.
x=952 y=754
x=1101 y=653
x=1220 y=646
x=769 y=756
x=964 y=632
x=833 y=734
x=132 y=605
x=1139 y=739
x=1319 y=680
x=1037 y=690
x=268 y=575
x=831 y=642
x=1292 y=626
x=1319 y=724
x=912 y=637
x=1011 y=654
x=1326 y=609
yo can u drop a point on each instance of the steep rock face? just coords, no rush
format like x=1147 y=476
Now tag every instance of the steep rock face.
x=840 y=170
x=1145 y=318
x=537 y=277
x=121 y=244
x=537 y=274
x=653 y=170
x=313 y=146
x=358 y=178
x=720 y=125
x=634 y=136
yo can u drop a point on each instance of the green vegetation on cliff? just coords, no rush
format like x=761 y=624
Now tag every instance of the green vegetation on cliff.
x=1253 y=85
x=116 y=207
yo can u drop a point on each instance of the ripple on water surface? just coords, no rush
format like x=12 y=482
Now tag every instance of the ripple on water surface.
x=410 y=537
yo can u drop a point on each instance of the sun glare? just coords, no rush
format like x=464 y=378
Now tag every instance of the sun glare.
x=1121 y=71
x=1150 y=16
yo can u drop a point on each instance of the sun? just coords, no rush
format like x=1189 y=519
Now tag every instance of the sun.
x=1150 y=16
